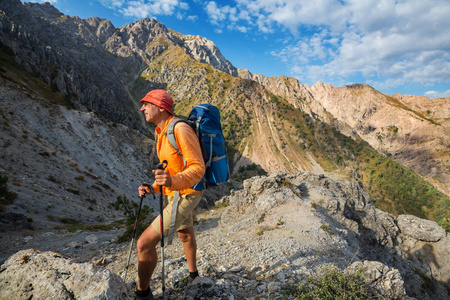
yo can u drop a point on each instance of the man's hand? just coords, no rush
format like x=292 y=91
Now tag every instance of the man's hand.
x=144 y=189
x=162 y=177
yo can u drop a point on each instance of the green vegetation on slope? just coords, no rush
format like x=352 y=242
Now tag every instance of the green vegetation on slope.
x=399 y=190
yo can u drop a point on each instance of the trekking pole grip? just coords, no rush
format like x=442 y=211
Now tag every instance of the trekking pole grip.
x=162 y=165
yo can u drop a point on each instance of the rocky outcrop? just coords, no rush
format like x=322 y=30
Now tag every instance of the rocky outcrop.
x=145 y=39
x=103 y=29
x=420 y=229
x=387 y=281
x=368 y=232
x=31 y=274
x=205 y=51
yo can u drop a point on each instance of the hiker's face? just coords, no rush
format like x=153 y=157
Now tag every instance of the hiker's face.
x=150 y=110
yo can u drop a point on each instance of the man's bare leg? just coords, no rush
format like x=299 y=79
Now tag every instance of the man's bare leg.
x=187 y=237
x=147 y=256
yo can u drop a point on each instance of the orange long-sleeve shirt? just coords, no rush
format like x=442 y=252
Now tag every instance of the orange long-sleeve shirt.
x=182 y=177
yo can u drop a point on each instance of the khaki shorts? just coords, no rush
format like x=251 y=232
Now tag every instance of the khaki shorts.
x=185 y=219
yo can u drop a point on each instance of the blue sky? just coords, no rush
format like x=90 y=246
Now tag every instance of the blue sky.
x=398 y=46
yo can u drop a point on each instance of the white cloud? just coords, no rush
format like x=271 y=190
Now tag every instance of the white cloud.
x=192 y=18
x=215 y=14
x=403 y=41
x=242 y=29
x=143 y=9
x=434 y=94
x=113 y=4
x=293 y=14
x=147 y=8
x=227 y=17
x=184 y=5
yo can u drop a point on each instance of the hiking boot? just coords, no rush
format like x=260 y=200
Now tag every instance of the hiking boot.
x=181 y=284
x=148 y=297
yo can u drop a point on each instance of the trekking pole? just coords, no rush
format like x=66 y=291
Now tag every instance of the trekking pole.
x=132 y=239
x=162 y=166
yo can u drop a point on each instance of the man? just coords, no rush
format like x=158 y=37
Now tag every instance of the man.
x=179 y=175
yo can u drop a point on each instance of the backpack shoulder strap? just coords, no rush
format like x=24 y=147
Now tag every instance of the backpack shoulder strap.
x=171 y=134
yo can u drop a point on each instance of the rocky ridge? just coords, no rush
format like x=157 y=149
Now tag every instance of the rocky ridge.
x=275 y=230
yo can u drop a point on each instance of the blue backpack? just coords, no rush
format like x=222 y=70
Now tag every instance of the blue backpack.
x=204 y=119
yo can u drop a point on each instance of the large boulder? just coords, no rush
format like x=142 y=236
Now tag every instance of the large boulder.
x=31 y=274
x=385 y=280
x=420 y=229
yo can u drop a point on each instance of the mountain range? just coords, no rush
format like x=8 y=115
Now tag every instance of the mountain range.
x=74 y=145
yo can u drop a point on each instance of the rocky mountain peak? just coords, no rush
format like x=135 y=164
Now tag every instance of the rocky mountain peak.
x=45 y=10
x=320 y=85
x=206 y=51
x=144 y=31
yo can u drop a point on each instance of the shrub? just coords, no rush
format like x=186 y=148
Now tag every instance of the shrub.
x=6 y=196
x=326 y=228
x=53 y=179
x=130 y=217
x=221 y=204
x=67 y=220
x=75 y=226
x=248 y=171
x=331 y=284
x=73 y=191
x=122 y=202
x=444 y=223
x=261 y=218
